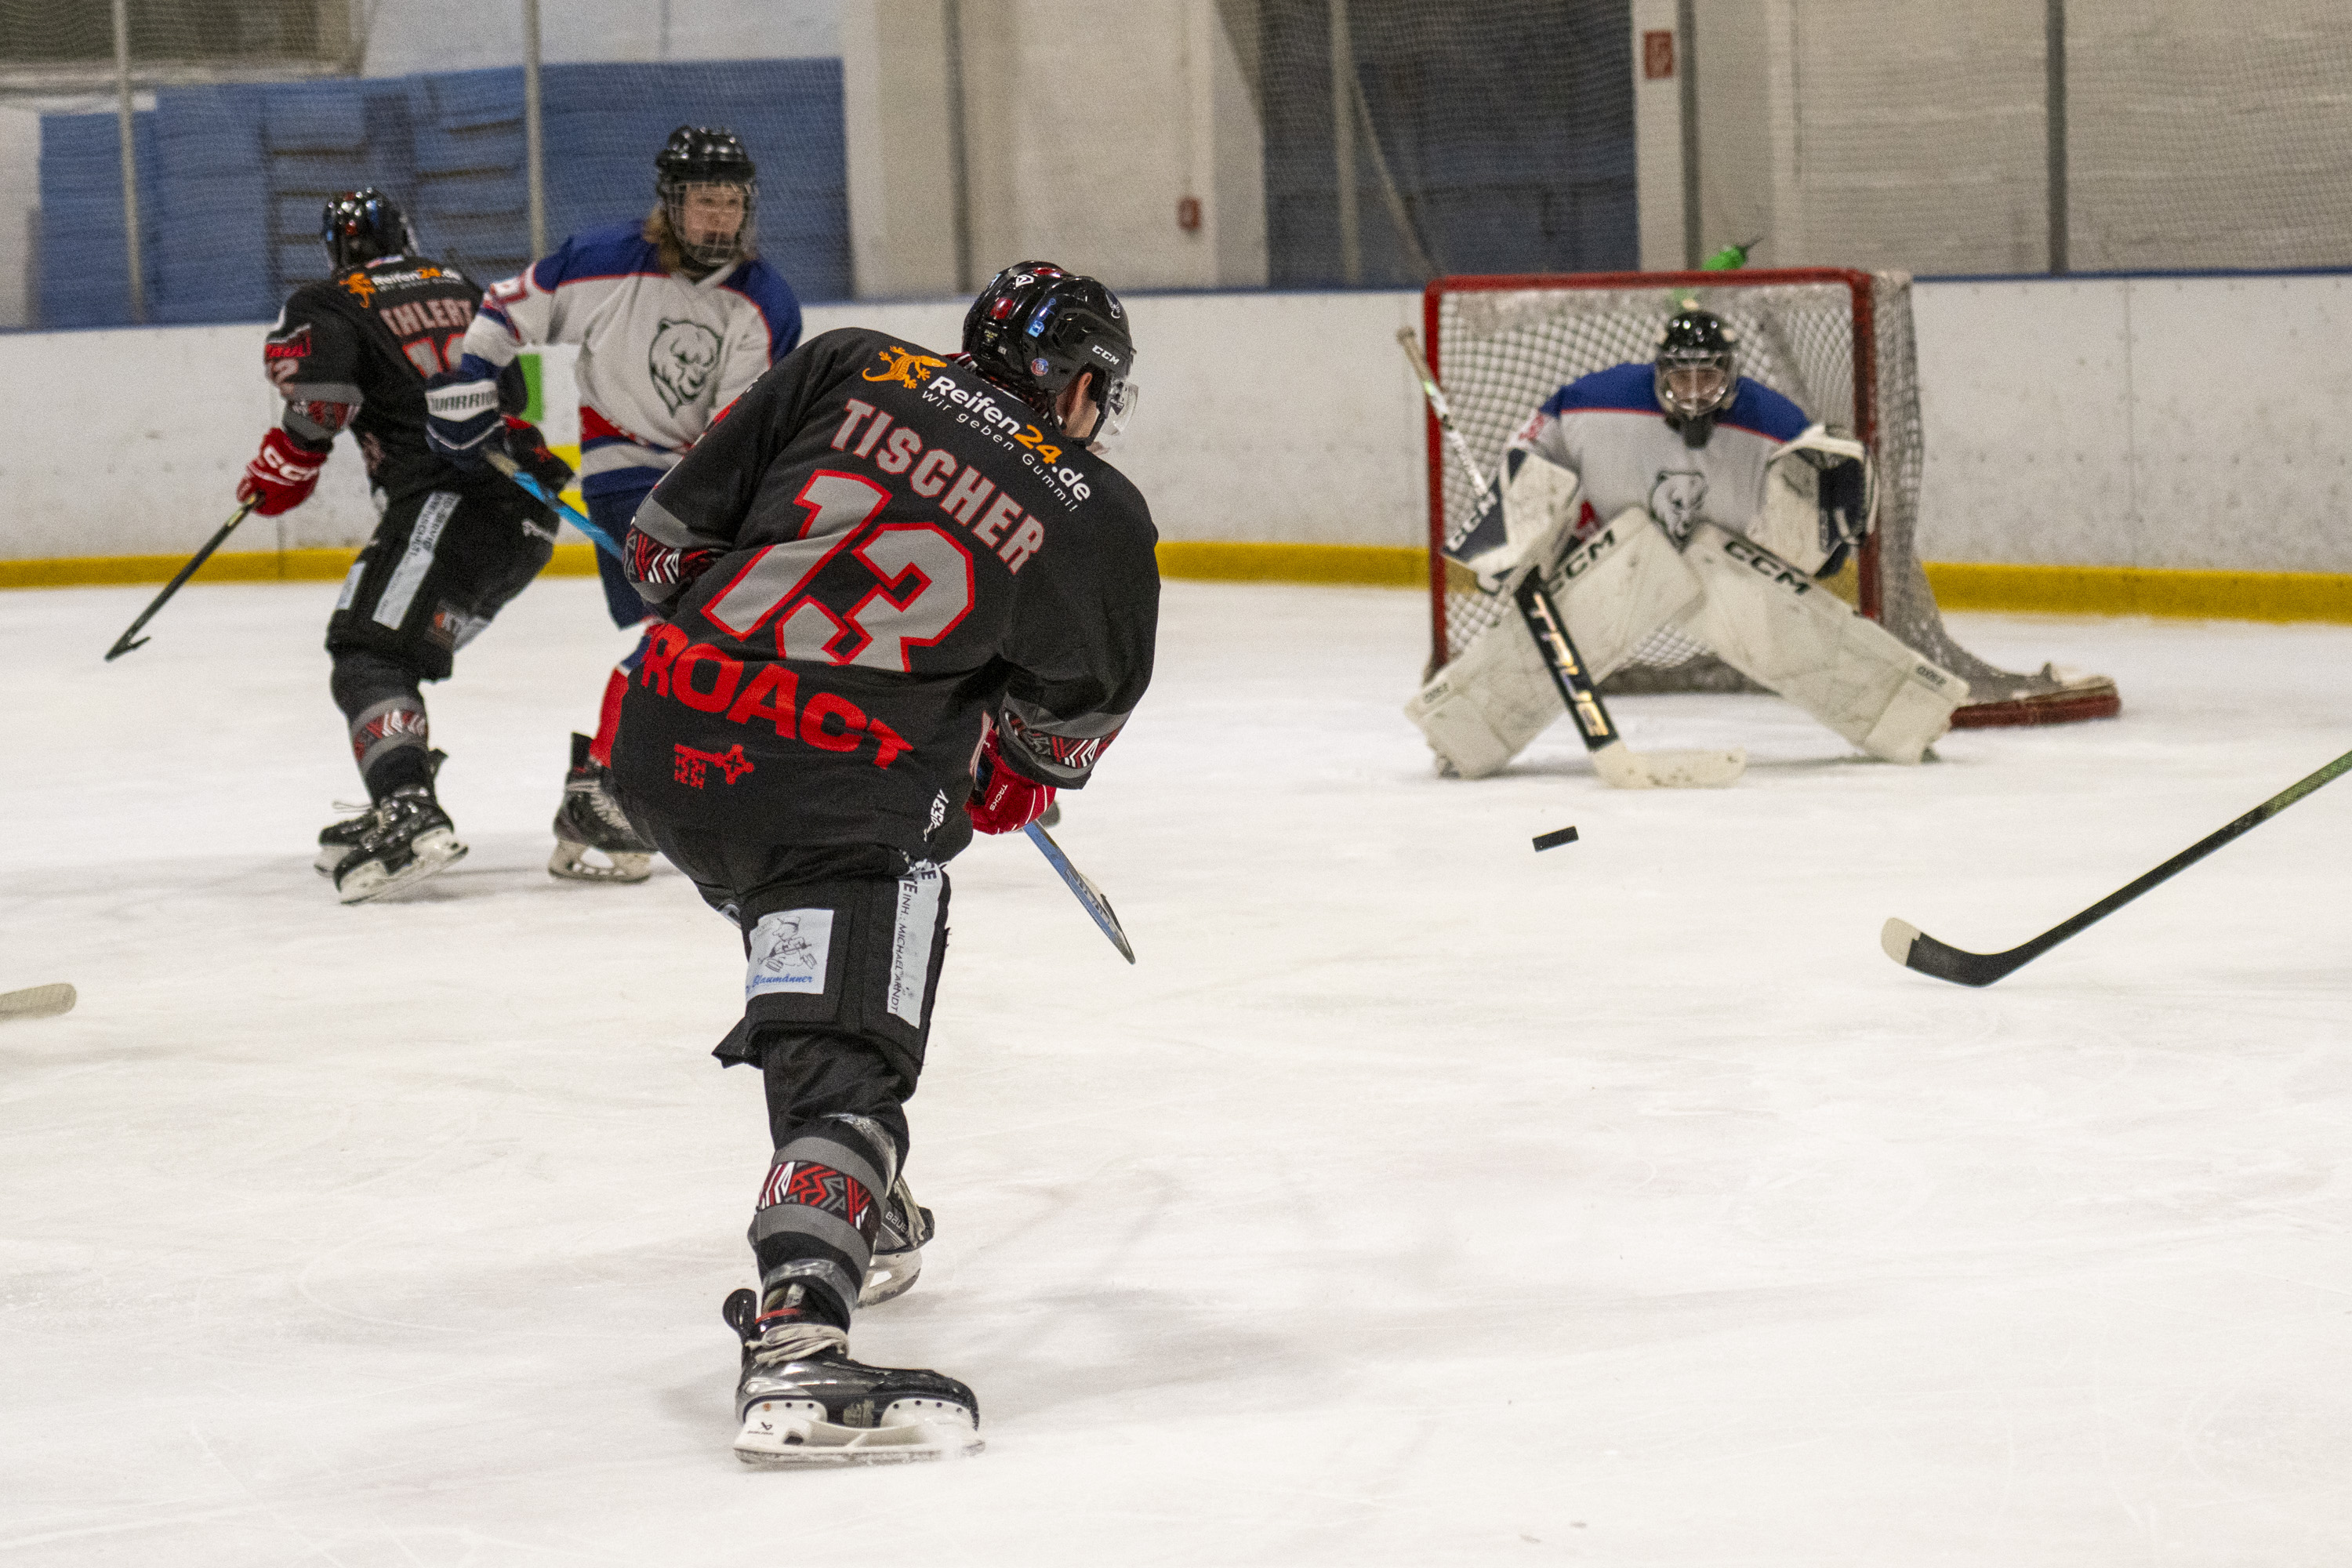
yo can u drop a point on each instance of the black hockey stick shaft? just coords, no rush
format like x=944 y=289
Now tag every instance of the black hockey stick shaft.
x=1928 y=956
x=124 y=643
x=1560 y=657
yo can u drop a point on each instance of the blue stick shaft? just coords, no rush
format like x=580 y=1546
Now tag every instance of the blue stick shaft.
x=597 y=535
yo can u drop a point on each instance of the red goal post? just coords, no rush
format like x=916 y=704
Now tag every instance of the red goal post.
x=1837 y=341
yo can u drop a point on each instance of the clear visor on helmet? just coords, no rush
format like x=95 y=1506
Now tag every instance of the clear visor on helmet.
x=1695 y=386
x=1114 y=409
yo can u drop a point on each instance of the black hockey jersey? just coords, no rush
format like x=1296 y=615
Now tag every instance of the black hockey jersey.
x=357 y=350
x=872 y=552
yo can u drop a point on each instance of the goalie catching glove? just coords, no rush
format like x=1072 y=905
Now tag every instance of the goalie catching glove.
x=1820 y=500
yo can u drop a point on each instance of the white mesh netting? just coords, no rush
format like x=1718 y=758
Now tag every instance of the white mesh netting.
x=1501 y=346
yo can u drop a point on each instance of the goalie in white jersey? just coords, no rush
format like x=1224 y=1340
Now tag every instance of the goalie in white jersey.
x=1680 y=495
x=674 y=316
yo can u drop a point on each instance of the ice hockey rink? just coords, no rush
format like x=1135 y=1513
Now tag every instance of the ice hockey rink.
x=1416 y=1198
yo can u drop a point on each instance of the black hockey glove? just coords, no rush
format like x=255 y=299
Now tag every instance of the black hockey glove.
x=529 y=451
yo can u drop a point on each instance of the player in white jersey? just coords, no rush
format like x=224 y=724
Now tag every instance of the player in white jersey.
x=674 y=317
x=1681 y=495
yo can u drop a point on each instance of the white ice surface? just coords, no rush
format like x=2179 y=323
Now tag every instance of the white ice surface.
x=1416 y=1199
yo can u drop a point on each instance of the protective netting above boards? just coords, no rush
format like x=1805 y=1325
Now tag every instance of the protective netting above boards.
x=232 y=173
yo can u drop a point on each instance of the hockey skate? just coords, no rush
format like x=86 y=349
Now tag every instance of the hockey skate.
x=804 y=1403
x=589 y=821
x=408 y=838
x=338 y=839
x=898 y=1248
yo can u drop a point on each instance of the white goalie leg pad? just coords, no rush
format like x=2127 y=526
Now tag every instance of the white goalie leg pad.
x=1786 y=632
x=1614 y=589
x=1482 y=710
x=1619 y=586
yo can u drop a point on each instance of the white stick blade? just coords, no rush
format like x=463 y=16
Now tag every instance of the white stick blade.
x=1626 y=769
x=1897 y=937
x=37 y=1002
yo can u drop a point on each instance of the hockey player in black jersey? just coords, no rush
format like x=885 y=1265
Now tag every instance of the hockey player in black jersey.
x=451 y=548
x=905 y=599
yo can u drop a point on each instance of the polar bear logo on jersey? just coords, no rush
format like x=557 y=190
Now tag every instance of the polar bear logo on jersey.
x=683 y=356
x=1675 y=499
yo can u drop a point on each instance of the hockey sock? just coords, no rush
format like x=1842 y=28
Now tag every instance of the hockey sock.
x=608 y=719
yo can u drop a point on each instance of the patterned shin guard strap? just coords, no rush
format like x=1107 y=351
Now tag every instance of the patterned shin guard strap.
x=819 y=1210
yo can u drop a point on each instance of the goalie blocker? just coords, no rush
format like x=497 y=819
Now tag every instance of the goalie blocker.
x=1762 y=615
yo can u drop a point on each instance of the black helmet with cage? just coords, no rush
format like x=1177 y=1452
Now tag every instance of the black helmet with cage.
x=1037 y=328
x=1698 y=371
x=364 y=225
x=704 y=155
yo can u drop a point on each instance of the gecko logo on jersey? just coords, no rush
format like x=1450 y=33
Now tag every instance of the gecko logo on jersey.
x=681 y=360
x=693 y=767
x=361 y=287
x=1675 y=499
x=904 y=367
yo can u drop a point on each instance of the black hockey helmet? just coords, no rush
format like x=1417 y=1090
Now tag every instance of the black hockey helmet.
x=1698 y=371
x=1035 y=328
x=705 y=156
x=363 y=225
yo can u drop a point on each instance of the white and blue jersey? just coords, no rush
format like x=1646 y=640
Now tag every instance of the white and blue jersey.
x=1609 y=429
x=660 y=353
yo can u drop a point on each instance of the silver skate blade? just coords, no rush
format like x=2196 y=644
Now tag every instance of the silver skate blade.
x=571 y=861
x=890 y=1274
x=431 y=852
x=48 y=1000
x=793 y=1435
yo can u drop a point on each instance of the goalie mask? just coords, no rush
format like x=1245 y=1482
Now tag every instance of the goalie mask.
x=1697 y=374
x=363 y=226
x=1037 y=328
x=699 y=174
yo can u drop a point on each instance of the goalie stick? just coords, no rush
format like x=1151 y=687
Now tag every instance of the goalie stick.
x=124 y=643
x=1617 y=763
x=1907 y=946
x=37 y=1002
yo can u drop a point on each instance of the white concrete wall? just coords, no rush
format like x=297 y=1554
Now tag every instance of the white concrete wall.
x=406 y=35
x=1084 y=126
x=2193 y=422
x=135 y=441
x=2164 y=422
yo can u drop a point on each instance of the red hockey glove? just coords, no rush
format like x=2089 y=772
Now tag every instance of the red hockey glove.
x=281 y=475
x=1002 y=800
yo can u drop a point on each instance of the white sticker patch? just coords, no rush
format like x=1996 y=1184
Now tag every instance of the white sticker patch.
x=350 y=578
x=910 y=941
x=788 y=953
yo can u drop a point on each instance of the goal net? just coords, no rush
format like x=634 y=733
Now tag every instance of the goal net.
x=1838 y=344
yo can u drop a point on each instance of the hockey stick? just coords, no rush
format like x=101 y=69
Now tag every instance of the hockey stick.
x=595 y=532
x=1907 y=946
x=37 y=1002
x=1617 y=763
x=1083 y=885
x=124 y=643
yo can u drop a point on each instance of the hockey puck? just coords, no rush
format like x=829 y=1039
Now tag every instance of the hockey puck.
x=1555 y=838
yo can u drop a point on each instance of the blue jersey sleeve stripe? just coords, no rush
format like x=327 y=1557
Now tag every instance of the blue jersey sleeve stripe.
x=1623 y=388
x=766 y=289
